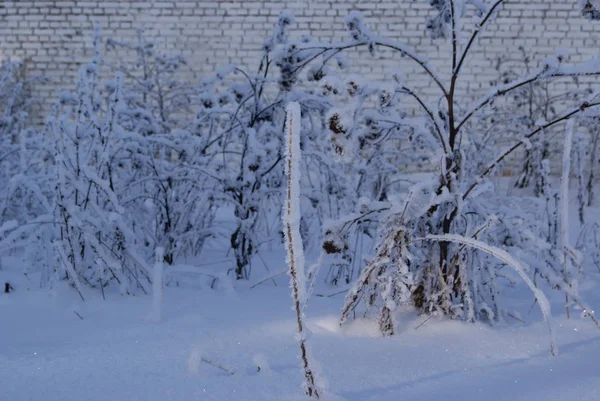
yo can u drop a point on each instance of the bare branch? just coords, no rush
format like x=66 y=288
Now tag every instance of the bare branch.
x=431 y=116
x=517 y=145
x=479 y=27
x=379 y=41
x=543 y=73
x=218 y=366
x=454 y=35
x=497 y=92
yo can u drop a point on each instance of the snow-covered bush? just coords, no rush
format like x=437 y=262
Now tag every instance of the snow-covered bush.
x=115 y=187
x=26 y=162
x=240 y=128
x=129 y=168
x=525 y=108
x=14 y=101
x=96 y=241
x=166 y=189
x=153 y=80
x=20 y=146
x=458 y=204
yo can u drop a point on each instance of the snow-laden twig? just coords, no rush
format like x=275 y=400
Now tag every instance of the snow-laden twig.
x=293 y=241
x=267 y=278
x=218 y=366
x=69 y=267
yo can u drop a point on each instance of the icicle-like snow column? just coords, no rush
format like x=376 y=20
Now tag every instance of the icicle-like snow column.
x=564 y=209
x=293 y=242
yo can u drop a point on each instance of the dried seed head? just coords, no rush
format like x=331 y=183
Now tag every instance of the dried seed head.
x=335 y=124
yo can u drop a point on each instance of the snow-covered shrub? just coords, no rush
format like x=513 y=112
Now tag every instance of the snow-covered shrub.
x=96 y=242
x=108 y=178
x=14 y=101
x=381 y=146
x=154 y=80
x=168 y=190
x=239 y=128
x=131 y=177
x=20 y=146
x=26 y=190
x=164 y=185
x=458 y=204
x=525 y=108
x=128 y=169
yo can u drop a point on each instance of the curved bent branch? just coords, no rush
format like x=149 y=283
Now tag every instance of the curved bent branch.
x=379 y=41
x=520 y=268
x=430 y=114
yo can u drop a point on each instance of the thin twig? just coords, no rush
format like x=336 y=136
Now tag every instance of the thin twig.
x=333 y=294
x=218 y=366
x=266 y=266
x=425 y=321
x=271 y=277
x=517 y=145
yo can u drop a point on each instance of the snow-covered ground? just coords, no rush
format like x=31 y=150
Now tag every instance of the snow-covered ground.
x=115 y=351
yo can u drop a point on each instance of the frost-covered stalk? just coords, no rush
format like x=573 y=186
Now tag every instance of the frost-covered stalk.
x=293 y=241
x=581 y=145
x=157 y=284
x=593 y=162
x=551 y=202
x=564 y=206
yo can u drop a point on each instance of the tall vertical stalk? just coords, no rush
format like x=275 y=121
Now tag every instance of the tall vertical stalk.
x=293 y=241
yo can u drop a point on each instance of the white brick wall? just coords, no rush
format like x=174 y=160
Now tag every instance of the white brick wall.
x=53 y=37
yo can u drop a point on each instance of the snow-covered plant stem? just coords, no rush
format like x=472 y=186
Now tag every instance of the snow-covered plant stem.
x=157 y=284
x=593 y=160
x=581 y=144
x=564 y=206
x=293 y=241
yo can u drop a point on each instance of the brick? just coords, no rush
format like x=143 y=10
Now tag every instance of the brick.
x=56 y=35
